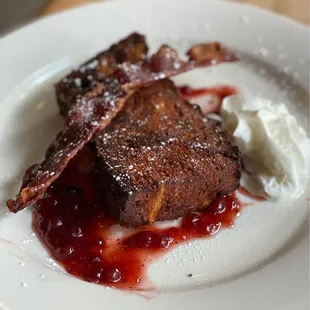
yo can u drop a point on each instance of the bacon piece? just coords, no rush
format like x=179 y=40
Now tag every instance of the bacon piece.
x=93 y=111
x=132 y=49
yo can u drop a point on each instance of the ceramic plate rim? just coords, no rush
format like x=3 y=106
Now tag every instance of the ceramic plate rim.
x=279 y=19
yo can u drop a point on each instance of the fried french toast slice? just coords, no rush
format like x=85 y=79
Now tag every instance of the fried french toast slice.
x=160 y=158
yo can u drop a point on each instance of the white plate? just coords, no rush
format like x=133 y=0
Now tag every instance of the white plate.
x=262 y=263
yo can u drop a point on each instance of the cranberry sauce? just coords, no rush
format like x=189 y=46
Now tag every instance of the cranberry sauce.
x=75 y=226
x=216 y=94
x=246 y=193
x=73 y=223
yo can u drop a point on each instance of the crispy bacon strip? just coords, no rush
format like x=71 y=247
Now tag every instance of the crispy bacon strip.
x=133 y=48
x=93 y=111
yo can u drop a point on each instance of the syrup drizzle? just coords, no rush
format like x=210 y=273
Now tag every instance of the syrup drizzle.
x=243 y=191
x=214 y=96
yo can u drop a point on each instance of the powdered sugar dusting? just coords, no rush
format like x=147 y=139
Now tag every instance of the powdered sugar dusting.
x=166 y=144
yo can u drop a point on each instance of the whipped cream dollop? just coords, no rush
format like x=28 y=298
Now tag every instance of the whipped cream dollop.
x=275 y=149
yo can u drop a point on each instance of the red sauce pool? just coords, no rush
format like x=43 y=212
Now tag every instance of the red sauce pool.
x=218 y=93
x=246 y=193
x=73 y=223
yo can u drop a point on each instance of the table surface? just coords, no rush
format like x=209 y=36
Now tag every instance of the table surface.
x=295 y=9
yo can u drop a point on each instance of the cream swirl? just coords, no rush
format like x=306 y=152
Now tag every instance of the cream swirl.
x=275 y=148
